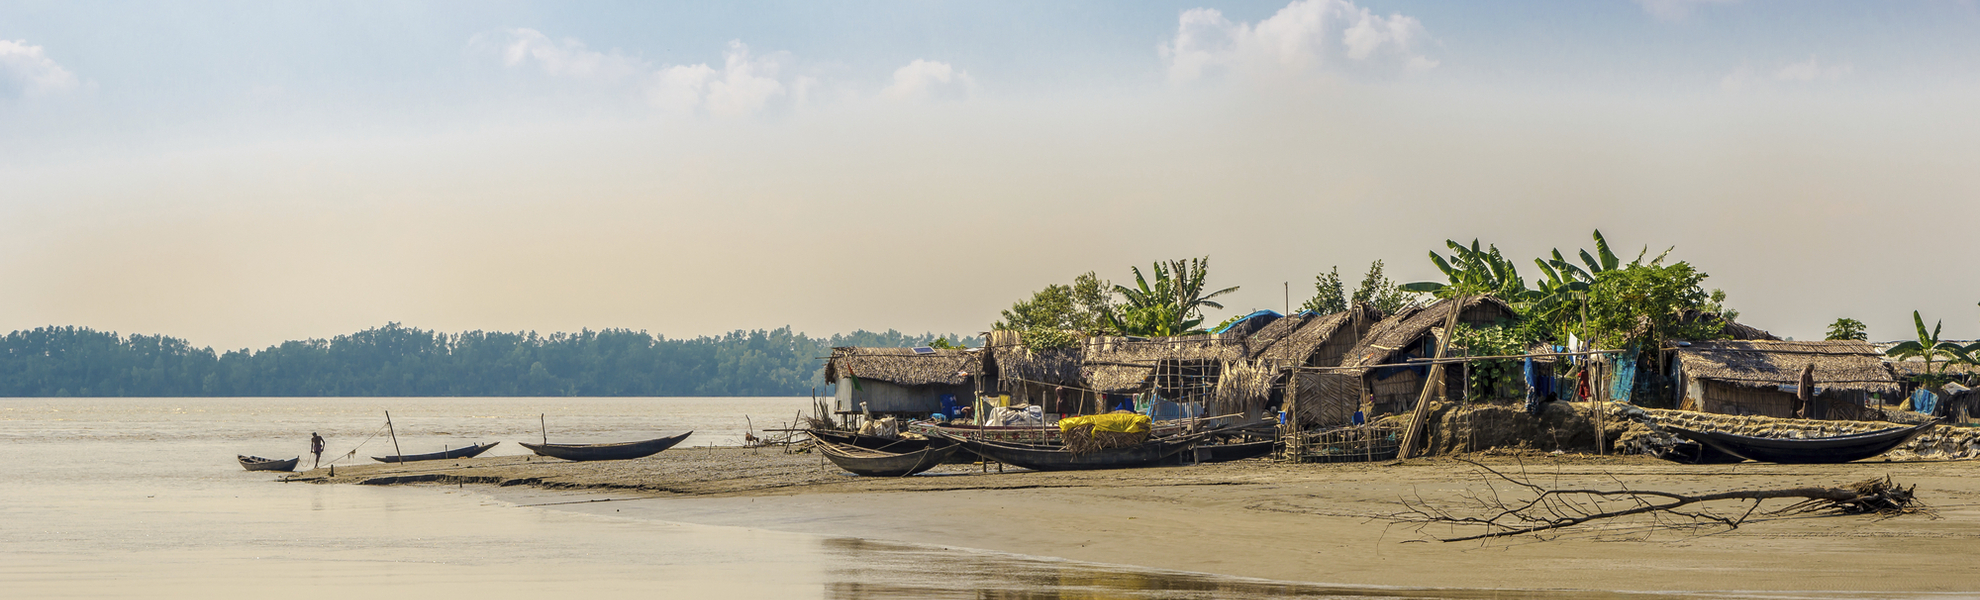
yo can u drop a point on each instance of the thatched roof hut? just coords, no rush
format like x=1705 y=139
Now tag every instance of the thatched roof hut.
x=901 y=380
x=1312 y=340
x=1412 y=326
x=1118 y=365
x=1761 y=376
x=1411 y=332
x=904 y=366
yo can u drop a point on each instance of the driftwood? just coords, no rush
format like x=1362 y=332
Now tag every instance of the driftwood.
x=1543 y=512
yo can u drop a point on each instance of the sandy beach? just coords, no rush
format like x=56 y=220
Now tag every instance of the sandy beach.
x=1313 y=523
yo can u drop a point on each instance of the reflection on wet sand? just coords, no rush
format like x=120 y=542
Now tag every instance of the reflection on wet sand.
x=860 y=569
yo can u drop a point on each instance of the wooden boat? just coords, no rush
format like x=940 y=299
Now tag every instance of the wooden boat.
x=1233 y=451
x=614 y=451
x=256 y=463
x=1823 y=450
x=1029 y=434
x=462 y=452
x=874 y=442
x=881 y=463
x=1048 y=457
x=1693 y=453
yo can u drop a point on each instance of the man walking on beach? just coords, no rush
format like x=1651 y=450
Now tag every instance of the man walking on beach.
x=316 y=448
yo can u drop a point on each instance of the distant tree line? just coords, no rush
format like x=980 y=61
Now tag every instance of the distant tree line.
x=395 y=360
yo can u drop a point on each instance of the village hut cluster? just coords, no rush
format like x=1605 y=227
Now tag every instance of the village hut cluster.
x=1347 y=384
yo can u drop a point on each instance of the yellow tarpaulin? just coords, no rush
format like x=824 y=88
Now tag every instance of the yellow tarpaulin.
x=1118 y=423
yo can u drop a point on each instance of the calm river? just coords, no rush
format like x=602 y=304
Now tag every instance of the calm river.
x=143 y=498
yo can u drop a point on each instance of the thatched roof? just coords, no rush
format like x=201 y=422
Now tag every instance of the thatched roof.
x=1408 y=325
x=1839 y=364
x=1914 y=368
x=1733 y=329
x=903 y=366
x=1015 y=362
x=1120 y=365
x=1294 y=339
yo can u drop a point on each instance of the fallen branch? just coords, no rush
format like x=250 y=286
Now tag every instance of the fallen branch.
x=1549 y=510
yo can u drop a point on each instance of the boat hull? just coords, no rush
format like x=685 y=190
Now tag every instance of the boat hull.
x=875 y=463
x=1048 y=458
x=1829 y=450
x=463 y=452
x=256 y=463
x=617 y=451
x=1229 y=452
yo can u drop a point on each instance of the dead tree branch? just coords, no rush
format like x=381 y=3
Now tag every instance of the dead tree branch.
x=1544 y=510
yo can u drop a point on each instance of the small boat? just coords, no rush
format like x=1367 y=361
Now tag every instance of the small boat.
x=874 y=442
x=1693 y=453
x=881 y=463
x=1233 y=451
x=462 y=452
x=614 y=451
x=256 y=463
x=1048 y=457
x=1822 y=450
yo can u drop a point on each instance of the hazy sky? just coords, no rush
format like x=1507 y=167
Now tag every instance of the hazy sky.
x=243 y=173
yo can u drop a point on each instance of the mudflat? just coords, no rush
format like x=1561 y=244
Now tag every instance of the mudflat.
x=1297 y=522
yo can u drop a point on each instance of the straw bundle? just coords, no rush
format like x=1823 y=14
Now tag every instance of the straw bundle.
x=1082 y=439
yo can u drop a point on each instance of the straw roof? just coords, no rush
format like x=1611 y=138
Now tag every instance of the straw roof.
x=1016 y=362
x=1295 y=338
x=1839 y=364
x=1914 y=368
x=903 y=366
x=1410 y=324
x=1119 y=365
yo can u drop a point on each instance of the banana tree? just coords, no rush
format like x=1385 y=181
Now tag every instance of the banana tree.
x=1471 y=270
x=1928 y=347
x=1172 y=304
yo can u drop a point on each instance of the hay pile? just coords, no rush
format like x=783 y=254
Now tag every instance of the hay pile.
x=1082 y=439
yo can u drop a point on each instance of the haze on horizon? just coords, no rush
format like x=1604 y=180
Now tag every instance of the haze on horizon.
x=243 y=173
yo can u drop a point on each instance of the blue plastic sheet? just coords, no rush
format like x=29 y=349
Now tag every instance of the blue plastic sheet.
x=1924 y=401
x=1624 y=379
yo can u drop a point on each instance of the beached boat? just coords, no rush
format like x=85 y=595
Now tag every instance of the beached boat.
x=874 y=442
x=1822 y=450
x=256 y=463
x=1233 y=451
x=881 y=463
x=462 y=452
x=1051 y=457
x=1693 y=453
x=1035 y=434
x=613 y=451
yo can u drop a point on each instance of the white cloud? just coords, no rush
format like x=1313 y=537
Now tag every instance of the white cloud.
x=1675 y=10
x=1305 y=36
x=927 y=79
x=522 y=47
x=27 y=71
x=743 y=86
x=1812 y=70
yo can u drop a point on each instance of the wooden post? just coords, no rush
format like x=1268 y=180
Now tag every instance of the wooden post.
x=394 y=432
x=1431 y=384
x=540 y=422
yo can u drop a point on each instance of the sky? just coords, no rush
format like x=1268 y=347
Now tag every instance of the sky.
x=243 y=173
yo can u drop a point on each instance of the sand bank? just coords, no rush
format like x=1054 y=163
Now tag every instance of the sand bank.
x=1314 y=522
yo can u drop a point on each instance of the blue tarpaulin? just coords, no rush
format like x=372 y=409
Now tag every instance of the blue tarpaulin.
x=1924 y=401
x=1623 y=380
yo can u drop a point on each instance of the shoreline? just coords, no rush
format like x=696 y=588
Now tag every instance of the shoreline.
x=1310 y=523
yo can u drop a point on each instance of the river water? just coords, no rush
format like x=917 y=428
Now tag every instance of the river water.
x=142 y=497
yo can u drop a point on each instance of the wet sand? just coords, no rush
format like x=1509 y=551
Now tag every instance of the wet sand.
x=1313 y=522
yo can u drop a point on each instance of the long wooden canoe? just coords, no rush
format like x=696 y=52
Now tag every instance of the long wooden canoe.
x=880 y=463
x=462 y=452
x=1048 y=457
x=256 y=463
x=1823 y=450
x=613 y=451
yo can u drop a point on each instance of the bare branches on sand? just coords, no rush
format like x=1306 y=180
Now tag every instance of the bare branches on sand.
x=1510 y=506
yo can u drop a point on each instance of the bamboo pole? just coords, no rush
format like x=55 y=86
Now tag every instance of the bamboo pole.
x=545 y=424
x=395 y=434
x=1430 y=384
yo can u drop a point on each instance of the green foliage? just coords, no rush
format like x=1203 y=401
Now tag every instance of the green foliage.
x=1329 y=294
x=1082 y=306
x=1378 y=290
x=1472 y=272
x=1494 y=378
x=1040 y=340
x=1928 y=347
x=1172 y=304
x=400 y=361
x=1847 y=329
x=1643 y=305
